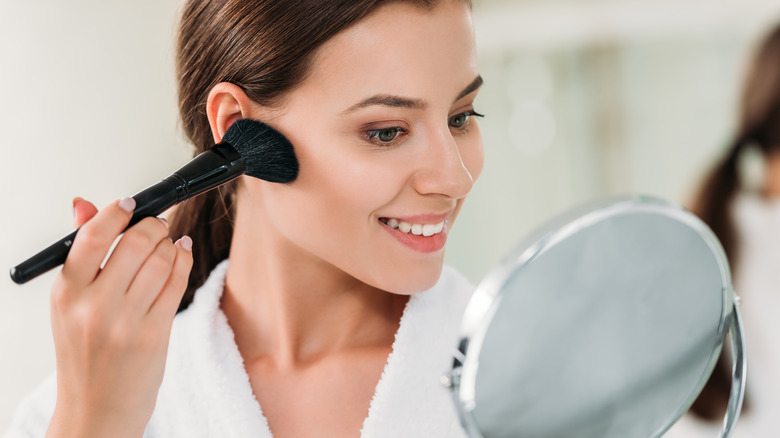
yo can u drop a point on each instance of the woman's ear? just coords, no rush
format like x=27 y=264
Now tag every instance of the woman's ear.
x=226 y=103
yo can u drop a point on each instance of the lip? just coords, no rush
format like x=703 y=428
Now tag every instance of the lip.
x=421 y=244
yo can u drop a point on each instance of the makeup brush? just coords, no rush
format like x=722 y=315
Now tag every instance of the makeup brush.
x=248 y=146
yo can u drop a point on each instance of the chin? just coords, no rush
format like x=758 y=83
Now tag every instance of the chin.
x=410 y=282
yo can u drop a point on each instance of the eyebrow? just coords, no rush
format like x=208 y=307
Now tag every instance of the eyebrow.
x=472 y=87
x=407 y=102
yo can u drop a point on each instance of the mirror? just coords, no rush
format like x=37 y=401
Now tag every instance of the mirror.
x=605 y=323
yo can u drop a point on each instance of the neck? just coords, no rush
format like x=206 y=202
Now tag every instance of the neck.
x=286 y=305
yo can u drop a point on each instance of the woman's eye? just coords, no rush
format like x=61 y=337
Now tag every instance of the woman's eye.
x=385 y=135
x=459 y=120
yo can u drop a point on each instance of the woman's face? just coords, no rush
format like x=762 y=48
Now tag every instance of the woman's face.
x=388 y=146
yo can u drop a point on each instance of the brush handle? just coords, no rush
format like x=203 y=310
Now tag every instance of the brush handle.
x=210 y=169
x=150 y=202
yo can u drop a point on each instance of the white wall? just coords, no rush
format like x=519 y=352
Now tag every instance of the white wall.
x=591 y=98
x=88 y=109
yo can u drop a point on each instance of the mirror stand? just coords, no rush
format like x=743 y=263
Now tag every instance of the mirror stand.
x=738 y=372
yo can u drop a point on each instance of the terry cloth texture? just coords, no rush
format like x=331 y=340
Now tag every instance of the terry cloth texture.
x=206 y=391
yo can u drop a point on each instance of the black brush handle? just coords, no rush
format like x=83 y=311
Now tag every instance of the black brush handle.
x=150 y=202
x=54 y=255
x=210 y=169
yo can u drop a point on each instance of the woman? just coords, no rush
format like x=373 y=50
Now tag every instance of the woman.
x=333 y=316
x=740 y=201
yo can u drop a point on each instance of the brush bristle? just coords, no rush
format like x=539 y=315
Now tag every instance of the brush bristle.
x=267 y=154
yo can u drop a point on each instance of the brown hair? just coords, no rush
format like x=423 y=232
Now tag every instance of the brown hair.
x=266 y=47
x=759 y=127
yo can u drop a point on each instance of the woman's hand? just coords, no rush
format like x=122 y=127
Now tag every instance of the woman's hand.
x=111 y=326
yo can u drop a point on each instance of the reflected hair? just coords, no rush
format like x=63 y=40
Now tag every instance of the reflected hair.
x=758 y=129
x=265 y=47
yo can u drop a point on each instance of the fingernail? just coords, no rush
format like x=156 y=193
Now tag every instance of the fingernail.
x=164 y=221
x=127 y=204
x=186 y=243
x=76 y=200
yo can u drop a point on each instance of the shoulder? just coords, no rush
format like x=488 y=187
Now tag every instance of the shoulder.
x=195 y=329
x=34 y=413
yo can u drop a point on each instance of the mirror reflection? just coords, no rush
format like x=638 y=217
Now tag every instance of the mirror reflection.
x=607 y=325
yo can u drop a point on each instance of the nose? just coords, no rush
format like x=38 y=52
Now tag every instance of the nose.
x=441 y=168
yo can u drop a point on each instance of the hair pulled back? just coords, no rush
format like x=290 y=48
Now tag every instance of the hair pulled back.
x=265 y=47
x=758 y=127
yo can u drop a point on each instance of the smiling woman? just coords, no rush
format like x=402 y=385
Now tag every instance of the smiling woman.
x=334 y=315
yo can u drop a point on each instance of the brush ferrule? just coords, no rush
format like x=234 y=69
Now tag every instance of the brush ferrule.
x=210 y=169
x=180 y=185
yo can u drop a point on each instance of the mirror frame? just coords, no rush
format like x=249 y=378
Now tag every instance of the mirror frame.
x=461 y=380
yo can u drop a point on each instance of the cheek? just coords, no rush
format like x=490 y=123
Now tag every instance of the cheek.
x=348 y=186
x=333 y=205
x=473 y=153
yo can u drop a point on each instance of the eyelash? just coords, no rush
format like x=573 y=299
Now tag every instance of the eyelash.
x=372 y=135
x=465 y=126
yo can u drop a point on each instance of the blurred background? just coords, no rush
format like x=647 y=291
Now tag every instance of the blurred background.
x=583 y=98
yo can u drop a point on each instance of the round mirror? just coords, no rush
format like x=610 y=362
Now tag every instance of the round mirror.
x=605 y=323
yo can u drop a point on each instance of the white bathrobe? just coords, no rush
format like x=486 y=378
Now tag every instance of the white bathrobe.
x=206 y=390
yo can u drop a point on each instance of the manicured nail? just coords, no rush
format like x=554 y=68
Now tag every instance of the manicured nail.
x=127 y=204
x=164 y=221
x=186 y=243
x=76 y=200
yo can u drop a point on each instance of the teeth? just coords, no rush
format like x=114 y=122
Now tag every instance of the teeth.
x=426 y=230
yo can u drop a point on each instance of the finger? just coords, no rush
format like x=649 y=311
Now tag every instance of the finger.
x=82 y=211
x=93 y=241
x=152 y=276
x=131 y=253
x=167 y=302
